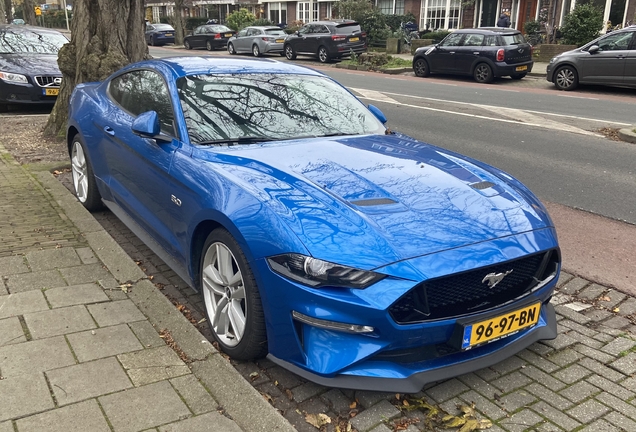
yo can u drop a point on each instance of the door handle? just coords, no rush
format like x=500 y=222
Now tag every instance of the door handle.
x=109 y=130
x=452 y=52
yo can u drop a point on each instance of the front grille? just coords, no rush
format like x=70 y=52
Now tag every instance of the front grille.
x=46 y=81
x=468 y=292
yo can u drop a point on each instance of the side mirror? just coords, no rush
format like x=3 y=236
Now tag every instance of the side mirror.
x=296 y=33
x=593 y=49
x=377 y=113
x=147 y=125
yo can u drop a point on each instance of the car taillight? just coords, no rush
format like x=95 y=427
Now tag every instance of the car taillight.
x=500 y=55
x=338 y=37
x=217 y=36
x=363 y=35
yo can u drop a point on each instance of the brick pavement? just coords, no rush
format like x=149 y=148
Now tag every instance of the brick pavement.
x=79 y=343
x=584 y=380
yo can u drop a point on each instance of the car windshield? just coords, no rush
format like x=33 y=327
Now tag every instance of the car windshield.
x=271 y=107
x=513 y=39
x=162 y=27
x=23 y=42
x=275 y=31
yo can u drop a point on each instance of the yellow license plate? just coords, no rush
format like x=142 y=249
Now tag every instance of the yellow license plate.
x=354 y=39
x=168 y=34
x=51 y=92
x=500 y=326
x=521 y=68
x=280 y=40
x=228 y=34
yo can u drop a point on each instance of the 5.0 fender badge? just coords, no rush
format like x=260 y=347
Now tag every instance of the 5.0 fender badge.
x=494 y=278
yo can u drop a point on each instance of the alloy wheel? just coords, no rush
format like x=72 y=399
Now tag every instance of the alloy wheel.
x=80 y=172
x=565 y=78
x=208 y=45
x=420 y=67
x=224 y=294
x=230 y=48
x=323 y=56
x=483 y=73
x=256 y=51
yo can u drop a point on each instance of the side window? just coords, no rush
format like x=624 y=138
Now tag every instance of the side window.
x=242 y=33
x=322 y=29
x=452 y=40
x=150 y=28
x=144 y=90
x=474 y=40
x=252 y=32
x=490 y=40
x=305 y=29
x=616 y=42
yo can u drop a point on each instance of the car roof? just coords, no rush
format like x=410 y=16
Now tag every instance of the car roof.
x=194 y=65
x=272 y=27
x=22 y=28
x=489 y=30
x=334 y=22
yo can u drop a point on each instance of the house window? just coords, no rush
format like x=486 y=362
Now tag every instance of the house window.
x=440 y=14
x=387 y=7
x=302 y=12
x=278 y=12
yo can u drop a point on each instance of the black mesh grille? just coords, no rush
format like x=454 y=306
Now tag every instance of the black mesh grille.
x=469 y=292
x=46 y=81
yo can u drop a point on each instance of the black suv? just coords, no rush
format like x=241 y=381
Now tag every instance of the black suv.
x=484 y=53
x=326 y=40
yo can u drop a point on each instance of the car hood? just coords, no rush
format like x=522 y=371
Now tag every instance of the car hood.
x=368 y=201
x=30 y=64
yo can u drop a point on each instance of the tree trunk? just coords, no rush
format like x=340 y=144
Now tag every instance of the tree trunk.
x=7 y=10
x=105 y=36
x=28 y=12
x=179 y=26
x=3 y=17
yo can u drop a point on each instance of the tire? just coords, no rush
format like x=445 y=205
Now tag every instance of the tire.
x=152 y=41
x=83 y=177
x=256 y=51
x=518 y=76
x=230 y=48
x=226 y=273
x=420 y=67
x=483 y=73
x=208 y=46
x=323 y=55
x=290 y=52
x=566 y=78
x=187 y=45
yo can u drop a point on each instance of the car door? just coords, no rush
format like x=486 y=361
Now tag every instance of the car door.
x=607 y=64
x=149 y=30
x=319 y=37
x=301 y=41
x=139 y=179
x=630 y=64
x=467 y=53
x=252 y=34
x=196 y=40
x=442 y=58
x=241 y=40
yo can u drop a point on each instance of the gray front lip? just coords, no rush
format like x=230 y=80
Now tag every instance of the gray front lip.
x=415 y=382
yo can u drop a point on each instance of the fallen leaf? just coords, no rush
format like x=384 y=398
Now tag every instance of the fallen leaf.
x=405 y=402
x=254 y=375
x=451 y=421
x=469 y=411
x=615 y=309
x=469 y=426
x=353 y=404
x=397 y=396
x=289 y=394
x=317 y=420
x=484 y=424
x=605 y=298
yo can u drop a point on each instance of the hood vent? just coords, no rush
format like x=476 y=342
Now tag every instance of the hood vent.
x=373 y=202
x=482 y=185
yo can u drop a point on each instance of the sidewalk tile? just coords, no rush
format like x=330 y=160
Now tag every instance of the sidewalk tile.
x=571 y=374
x=588 y=411
x=195 y=395
x=517 y=399
x=6 y=427
x=146 y=334
x=557 y=416
x=618 y=405
x=13 y=265
x=117 y=312
x=542 y=377
x=35 y=356
x=308 y=390
x=3 y=289
x=484 y=404
x=520 y=421
x=573 y=285
x=626 y=364
x=75 y=295
x=374 y=415
x=601 y=369
x=11 y=331
x=549 y=396
x=85 y=273
x=35 y=281
x=579 y=391
x=211 y=422
x=144 y=407
x=600 y=426
x=621 y=421
x=86 y=255
x=153 y=364
x=28 y=394
x=81 y=417
x=58 y=321
x=619 y=390
x=86 y=380
x=52 y=259
x=446 y=390
x=511 y=381
x=103 y=342
x=21 y=303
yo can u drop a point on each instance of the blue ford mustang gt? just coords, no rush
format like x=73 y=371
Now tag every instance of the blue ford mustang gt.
x=354 y=256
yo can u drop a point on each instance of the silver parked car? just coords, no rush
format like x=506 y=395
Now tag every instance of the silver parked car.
x=608 y=60
x=258 y=41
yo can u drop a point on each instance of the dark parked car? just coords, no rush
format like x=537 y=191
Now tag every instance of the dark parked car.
x=29 y=73
x=210 y=37
x=608 y=60
x=484 y=53
x=351 y=255
x=159 y=34
x=326 y=40
x=257 y=40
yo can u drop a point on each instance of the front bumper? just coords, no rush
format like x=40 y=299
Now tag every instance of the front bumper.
x=504 y=69
x=550 y=72
x=376 y=360
x=18 y=93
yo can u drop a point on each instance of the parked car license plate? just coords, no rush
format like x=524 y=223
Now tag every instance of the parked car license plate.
x=500 y=326
x=228 y=34
x=280 y=40
x=354 y=39
x=168 y=34
x=521 y=68
x=51 y=92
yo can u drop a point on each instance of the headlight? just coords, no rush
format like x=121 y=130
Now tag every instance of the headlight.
x=13 y=77
x=318 y=273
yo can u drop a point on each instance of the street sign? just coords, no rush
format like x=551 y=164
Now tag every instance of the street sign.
x=38 y=11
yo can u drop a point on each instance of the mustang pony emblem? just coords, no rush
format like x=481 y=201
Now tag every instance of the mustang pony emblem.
x=494 y=278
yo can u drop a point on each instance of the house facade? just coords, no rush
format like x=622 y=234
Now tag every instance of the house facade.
x=431 y=14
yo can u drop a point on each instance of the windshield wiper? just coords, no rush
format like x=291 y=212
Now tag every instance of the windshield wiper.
x=237 y=140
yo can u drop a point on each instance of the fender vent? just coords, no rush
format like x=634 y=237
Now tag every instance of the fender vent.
x=373 y=202
x=482 y=185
